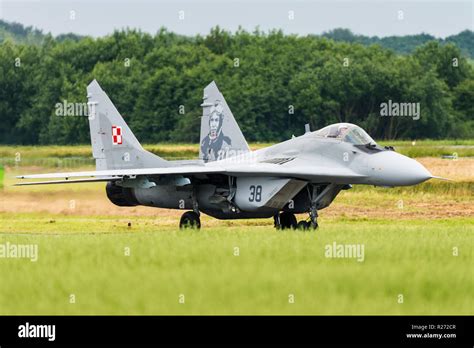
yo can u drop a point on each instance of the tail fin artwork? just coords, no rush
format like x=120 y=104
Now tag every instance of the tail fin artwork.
x=114 y=146
x=221 y=136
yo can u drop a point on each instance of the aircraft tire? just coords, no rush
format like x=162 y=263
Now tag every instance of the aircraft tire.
x=287 y=221
x=190 y=220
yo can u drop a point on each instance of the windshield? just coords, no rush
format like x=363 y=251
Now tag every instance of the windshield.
x=347 y=132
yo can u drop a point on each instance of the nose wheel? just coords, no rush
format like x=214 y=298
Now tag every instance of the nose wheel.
x=190 y=219
x=303 y=225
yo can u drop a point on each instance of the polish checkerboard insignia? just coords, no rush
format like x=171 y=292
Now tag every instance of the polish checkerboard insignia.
x=116 y=135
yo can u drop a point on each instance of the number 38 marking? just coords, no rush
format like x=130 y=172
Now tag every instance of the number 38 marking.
x=255 y=193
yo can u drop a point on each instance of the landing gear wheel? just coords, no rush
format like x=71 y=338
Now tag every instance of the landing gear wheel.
x=287 y=221
x=190 y=219
x=303 y=225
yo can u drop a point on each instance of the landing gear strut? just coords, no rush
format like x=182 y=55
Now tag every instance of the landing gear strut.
x=190 y=219
x=313 y=207
x=313 y=216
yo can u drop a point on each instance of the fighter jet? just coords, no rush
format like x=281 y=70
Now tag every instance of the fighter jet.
x=229 y=181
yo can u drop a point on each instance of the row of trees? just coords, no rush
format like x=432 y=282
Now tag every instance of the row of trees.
x=400 y=44
x=274 y=84
x=405 y=44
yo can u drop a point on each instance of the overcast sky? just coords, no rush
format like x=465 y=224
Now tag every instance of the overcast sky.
x=381 y=18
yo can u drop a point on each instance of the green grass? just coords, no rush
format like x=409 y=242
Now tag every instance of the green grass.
x=432 y=148
x=85 y=257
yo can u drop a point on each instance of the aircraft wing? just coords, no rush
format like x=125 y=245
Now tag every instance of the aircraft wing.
x=308 y=172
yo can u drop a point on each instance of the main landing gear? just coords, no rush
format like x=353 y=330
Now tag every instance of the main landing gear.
x=286 y=220
x=190 y=219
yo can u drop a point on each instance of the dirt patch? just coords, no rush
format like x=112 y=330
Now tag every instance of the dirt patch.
x=461 y=169
x=96 y=203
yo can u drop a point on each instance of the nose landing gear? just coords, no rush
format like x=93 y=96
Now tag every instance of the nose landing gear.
x=313 y=216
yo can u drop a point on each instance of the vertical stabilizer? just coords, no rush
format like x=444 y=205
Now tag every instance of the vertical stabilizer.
x=114 y=146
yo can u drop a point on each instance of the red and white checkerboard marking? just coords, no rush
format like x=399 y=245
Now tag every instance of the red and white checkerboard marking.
x=116 y=135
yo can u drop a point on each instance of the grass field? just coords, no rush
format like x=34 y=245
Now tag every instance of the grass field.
x=418 y=243
x=86 y=257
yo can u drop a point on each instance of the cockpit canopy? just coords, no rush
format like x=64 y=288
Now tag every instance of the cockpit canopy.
x=347 y=132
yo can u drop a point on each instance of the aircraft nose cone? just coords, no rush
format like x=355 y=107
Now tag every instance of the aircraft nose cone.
x=389 y=168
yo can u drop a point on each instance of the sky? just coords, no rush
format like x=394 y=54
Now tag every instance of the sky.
x=381 y=18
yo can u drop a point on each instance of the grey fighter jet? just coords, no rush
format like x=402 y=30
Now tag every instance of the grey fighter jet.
x=229 y=181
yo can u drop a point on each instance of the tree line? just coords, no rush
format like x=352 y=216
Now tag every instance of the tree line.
x=400 y=44
x=405 y=44
x=274 y=84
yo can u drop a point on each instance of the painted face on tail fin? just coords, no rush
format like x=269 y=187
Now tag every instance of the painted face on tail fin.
x=220 y=135
x=216 y=118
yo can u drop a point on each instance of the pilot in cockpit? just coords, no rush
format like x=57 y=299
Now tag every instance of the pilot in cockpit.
x=342 y=131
